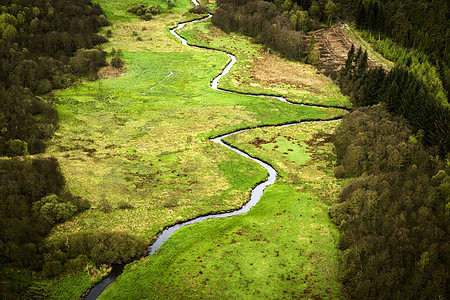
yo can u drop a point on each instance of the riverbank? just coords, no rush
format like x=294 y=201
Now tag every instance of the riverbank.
x=142 y=148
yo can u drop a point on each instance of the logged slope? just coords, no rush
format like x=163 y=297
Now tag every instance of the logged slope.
x=334 y=44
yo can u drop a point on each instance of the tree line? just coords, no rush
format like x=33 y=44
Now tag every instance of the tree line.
x=404 y=94
x=280 y=25
x=394 y=210
x=45 y=45
x=421 y=25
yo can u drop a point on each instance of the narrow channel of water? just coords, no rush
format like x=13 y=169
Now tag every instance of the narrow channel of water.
x=256 y=193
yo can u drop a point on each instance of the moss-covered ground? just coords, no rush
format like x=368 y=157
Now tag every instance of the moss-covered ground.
x=140 y=143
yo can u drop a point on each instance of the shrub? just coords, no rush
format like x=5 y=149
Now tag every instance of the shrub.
x=125 y=205
x=117 y=62
x=105 y=205
x=51 y=209
x=52 y=269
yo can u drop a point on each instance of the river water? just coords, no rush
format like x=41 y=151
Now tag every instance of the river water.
x=256 y=193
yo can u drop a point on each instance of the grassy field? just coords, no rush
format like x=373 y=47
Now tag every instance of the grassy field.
x=257 y=71
x=139 y=143
x=283 y=247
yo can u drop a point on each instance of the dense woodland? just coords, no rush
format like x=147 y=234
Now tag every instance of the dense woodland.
x=394 y=212
x=420 y=25
x=280 y=25
x=403 y=93
x=44 y=45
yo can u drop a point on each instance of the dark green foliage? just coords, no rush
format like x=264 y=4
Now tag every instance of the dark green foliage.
x=112 y=247
x=147 y=13
x=32 y=200
x=25 y=122
x=421 y=25
x=88 y=61
x=403 y=93
x=38 y=40
x=117 y=61
x=266 y=22
x=52 y=269
x=52 y=209
x=394 y=214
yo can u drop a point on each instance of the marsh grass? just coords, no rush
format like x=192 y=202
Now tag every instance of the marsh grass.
x=257 y=71
x=142 y=139
x=284 y=247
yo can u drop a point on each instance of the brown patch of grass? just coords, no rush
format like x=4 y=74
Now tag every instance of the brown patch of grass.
x=110 y=72
x=272 y=69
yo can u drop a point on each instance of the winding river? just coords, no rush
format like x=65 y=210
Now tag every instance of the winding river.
x=256 y=193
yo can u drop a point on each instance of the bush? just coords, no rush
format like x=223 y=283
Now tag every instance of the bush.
x=52 y=269
x=112 y=247
x=117 y=62
x=51 y=209
x=147 y=17
x=17 y=148
x=105 y=205
x=88 y=61
x=77 y=264
x=125 y=205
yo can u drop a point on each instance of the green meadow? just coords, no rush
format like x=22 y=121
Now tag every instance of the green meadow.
x=284 y=247
x=257 y=71
x=137 y=147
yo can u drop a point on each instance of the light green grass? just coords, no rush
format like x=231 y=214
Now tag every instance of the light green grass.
x=142 y=139
x=284 y=247
x=298 y=82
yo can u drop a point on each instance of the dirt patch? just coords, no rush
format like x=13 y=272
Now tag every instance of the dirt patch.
x=334 y=44
x=257 y=142
x=110 y=72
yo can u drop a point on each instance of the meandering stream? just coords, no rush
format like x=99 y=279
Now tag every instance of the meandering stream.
x=256 y=193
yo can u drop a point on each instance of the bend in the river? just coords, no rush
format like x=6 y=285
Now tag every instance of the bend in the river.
x=256 y=192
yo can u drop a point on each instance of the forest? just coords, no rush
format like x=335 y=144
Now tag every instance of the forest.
x=392 y=150
x=423 y=26
x=394 y=211
x=44 y=45
x=279 y=25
